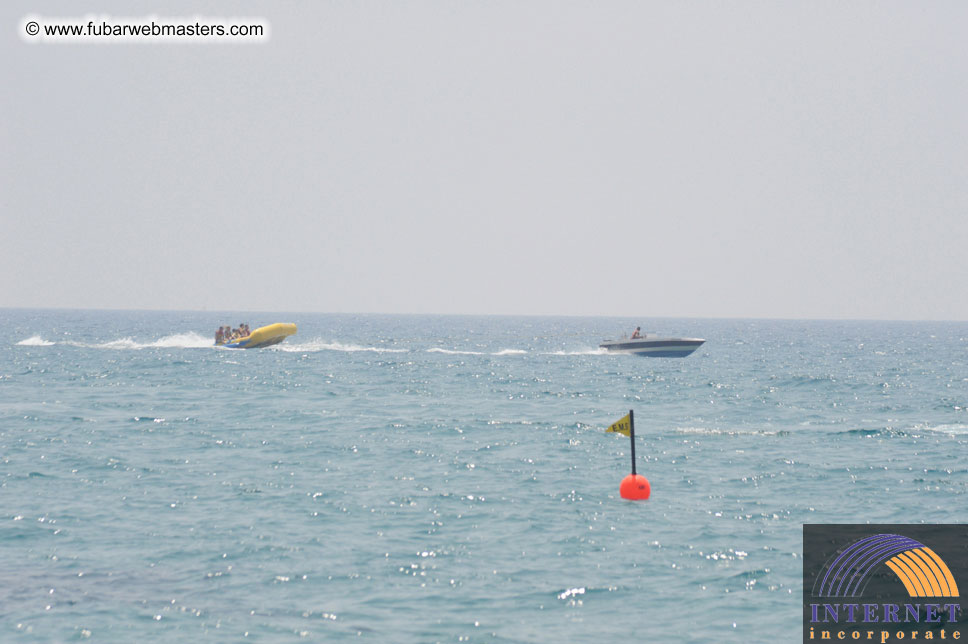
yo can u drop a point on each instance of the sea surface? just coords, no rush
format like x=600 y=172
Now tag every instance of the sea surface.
x=448 y=479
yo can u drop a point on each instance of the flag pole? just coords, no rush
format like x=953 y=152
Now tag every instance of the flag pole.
x=634 y=487
x=632 y=436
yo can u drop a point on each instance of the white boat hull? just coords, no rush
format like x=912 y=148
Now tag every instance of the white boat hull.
x=654 y=346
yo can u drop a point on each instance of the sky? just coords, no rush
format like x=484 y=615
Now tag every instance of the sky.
x=632 y=158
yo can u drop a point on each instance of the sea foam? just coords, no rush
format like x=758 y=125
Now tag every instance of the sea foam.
x=35 y=341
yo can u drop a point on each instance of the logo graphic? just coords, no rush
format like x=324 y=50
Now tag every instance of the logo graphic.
x=884 y=583
x=919 y=568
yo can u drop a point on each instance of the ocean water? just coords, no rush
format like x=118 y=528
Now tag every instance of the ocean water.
x=424 y=479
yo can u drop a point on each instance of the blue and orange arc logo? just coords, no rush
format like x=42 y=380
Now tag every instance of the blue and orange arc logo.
x=919 y=568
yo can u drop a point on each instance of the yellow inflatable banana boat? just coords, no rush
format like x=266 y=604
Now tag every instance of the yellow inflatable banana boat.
x=264 y=336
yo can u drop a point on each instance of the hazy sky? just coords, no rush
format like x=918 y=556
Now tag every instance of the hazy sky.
x=712 y=159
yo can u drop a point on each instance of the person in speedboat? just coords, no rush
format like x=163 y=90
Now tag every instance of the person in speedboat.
x=636 y=334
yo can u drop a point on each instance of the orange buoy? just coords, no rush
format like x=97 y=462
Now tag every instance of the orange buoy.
x=635 y=487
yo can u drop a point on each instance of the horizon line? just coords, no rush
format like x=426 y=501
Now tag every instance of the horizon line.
x=507 y=315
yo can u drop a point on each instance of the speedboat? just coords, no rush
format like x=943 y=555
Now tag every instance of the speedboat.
x=264 y=336
x=653 y=346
